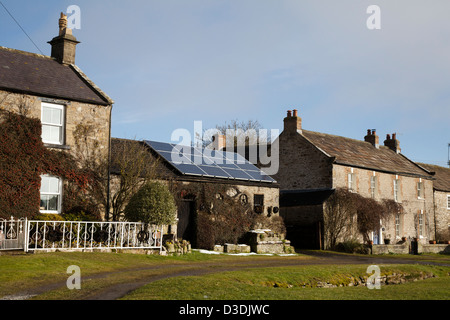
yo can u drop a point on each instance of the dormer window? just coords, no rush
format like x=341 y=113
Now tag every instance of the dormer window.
x=52 y=118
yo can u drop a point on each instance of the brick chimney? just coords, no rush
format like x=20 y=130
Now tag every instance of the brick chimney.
x=293 y=123
x=372 y=138
x=392 y=143
x=64 y=45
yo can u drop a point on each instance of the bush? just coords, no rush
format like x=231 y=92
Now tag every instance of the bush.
x=351 y=246
x=48 y=217
x=152 y=204
x=81 y=214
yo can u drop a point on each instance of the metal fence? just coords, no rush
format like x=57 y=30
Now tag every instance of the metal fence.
x=12 y=234
x=29 y=235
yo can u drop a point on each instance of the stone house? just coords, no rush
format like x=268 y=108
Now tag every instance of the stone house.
x=441 y=195
x=313 y=165
x=54 y=90
x=202 y=170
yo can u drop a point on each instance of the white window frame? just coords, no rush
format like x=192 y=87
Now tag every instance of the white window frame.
x=396 y=189
x=62 y=126
x=351 y=182
x=373 y=185
x=421 y=216
x=420 y=191
x=397 y=226
x=59 y=194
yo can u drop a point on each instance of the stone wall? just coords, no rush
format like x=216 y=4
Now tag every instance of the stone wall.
x=302 y=165
x=407 y=248
x=407 y=196
x=442 y=213
x=96 y=118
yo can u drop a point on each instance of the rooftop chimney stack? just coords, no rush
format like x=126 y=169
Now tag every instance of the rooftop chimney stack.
x=392 y=143
x=372 y=138
x=219 y=142
x=293 y=123
x=64 y=45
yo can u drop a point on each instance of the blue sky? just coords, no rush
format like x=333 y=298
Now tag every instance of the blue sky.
x=168 y=63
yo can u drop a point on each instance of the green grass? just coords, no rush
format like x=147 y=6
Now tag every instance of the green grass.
x=21 y=272
x=296 y=283
x=26 y=271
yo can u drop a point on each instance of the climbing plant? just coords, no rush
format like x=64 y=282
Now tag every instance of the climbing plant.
x=23 y=159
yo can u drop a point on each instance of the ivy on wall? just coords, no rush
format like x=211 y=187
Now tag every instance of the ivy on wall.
x=221 y=217
x=23 y=159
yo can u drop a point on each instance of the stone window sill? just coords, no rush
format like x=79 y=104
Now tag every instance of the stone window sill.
x=57 y=146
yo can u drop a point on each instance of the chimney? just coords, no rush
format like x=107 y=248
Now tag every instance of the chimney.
x=219 y=142
x=64 y=45
x=372 y=138
x=293 y=123
x=392 y=143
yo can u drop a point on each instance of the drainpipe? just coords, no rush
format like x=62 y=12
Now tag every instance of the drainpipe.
x=109 y=169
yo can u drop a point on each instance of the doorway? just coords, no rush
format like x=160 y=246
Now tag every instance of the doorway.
x=187 y=221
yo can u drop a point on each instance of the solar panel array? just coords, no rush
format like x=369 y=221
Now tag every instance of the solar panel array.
x=209 y=163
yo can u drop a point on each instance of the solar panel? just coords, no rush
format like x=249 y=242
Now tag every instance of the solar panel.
x=209 y=163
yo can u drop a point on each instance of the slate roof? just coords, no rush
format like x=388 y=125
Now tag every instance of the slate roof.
x=442 y=176
x=357 y=153
x=35 y=74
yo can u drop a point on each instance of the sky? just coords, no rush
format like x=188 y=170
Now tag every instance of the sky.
x=169 y=63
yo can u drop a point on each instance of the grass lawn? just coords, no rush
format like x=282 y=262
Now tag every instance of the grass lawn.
x=297 y=283
x=21 y=272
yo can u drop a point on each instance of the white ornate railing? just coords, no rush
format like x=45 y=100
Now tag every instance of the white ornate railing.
x=29 y=235
x=12 y=234
x=71 y=235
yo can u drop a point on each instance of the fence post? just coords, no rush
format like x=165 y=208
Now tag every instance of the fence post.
x=26 y=236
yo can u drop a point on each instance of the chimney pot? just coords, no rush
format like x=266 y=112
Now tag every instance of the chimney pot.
x=393 y=143
x=293 y=124
x=372 y=138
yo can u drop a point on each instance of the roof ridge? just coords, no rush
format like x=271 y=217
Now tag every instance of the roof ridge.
x=38 y=55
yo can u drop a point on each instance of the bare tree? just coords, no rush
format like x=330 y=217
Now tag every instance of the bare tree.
x=132 y=166
x=339 y=210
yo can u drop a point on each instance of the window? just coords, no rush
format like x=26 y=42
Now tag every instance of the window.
x=52 y=118
x=421 y=223
x=396 y=190
x=258 y=203
x=448 y=201
x=50 y=194
x=420 y=190
x=373 y=186
x=397 y=225
x=351 y=182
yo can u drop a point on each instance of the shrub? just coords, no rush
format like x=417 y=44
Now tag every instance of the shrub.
x=152 y=204
x=81 y=214
x=351 y=246
x=48 y=217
